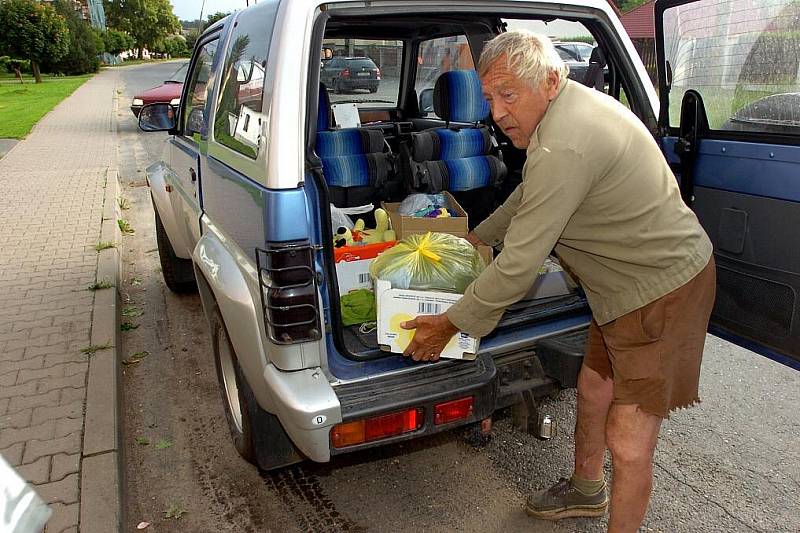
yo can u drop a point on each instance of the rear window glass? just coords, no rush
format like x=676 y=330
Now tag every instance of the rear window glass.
x=360 y=63
x=744 y=63
x=362 y=71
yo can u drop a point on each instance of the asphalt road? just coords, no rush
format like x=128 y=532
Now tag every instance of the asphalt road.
x=729 y=464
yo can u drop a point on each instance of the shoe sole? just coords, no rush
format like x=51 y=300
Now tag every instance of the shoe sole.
x=584 y=511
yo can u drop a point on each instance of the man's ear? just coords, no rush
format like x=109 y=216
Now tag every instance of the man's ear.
x=553 y=81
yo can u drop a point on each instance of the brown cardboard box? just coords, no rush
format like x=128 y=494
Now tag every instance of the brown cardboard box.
x=405 y=225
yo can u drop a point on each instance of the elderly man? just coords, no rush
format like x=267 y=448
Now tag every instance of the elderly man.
x=597 y=188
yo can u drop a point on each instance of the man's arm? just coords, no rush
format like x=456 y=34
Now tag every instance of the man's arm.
x=492 y=231
x=555 y=184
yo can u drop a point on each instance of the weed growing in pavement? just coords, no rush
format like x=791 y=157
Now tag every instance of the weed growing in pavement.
x=123 y=203
x=90 y=350
x=136 y=281
x=175 y=510
x=125 y=226
x=163 y=444
x=98 y=285
x=104 y=245
x=127 y=326
x=132 y=311
x=143 y=441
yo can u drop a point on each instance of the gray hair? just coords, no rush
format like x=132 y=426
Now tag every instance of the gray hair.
x=531 y=56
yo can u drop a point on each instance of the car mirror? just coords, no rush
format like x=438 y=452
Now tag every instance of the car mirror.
x=426 y=101
x=157 y=117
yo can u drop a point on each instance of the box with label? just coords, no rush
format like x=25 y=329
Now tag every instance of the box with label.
x=405 y=225
x=352 y=265
x=398 y=305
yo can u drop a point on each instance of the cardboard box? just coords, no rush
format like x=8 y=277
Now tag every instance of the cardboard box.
x=352 y=265
x=398 y=305
x=405 y=225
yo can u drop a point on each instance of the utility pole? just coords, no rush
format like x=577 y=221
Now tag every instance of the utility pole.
x=202 y=7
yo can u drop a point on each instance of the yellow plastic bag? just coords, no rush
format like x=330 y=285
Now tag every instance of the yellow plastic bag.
x=430 y=262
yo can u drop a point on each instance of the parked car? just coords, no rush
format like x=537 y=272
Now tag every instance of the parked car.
x=345 y=74
x=243 y=212
x=168 y=92
x=777 y=113
x=577 y=55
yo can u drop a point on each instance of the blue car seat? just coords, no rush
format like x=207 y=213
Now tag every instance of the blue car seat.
x=356 y=167
x=458 y=158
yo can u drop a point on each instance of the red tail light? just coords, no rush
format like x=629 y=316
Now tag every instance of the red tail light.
x=451 y=411
x=375 y=428
x=346 y=73
x=289 y=292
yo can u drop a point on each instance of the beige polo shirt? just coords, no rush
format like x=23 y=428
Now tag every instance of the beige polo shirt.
x=597 y=188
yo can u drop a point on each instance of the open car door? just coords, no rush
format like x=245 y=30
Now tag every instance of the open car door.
x=729 y=79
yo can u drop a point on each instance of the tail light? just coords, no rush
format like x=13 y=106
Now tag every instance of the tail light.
x=289 y=292
x=378 y=73
x=346 y=73
x=376 y=427
x=452 y=411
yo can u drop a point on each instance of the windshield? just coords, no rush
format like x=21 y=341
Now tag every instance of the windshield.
x=179 y=76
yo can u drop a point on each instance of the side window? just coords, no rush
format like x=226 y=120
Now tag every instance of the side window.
x=237 y=123
x=440 y=55
x=195 y=123
x=743 y=63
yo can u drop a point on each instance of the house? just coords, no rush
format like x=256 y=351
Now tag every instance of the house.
x=641 y=27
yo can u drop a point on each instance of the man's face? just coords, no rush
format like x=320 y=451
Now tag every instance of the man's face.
x=517 y=107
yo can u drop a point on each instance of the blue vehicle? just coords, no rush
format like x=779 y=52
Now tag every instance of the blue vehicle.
x=256 y=158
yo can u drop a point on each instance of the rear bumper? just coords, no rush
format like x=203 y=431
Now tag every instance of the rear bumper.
x=443 y=382
x=359 y=84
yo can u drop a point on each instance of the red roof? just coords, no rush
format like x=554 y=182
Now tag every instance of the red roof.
x=640 y=22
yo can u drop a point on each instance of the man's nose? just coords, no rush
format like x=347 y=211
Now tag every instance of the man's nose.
x=499 y=111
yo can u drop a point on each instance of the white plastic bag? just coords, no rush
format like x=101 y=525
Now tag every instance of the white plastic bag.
x=340 y=216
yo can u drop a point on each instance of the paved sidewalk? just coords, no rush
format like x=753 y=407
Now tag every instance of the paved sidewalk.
x=51 y=208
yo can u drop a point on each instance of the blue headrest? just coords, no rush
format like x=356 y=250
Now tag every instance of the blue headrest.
x=323 y=109
x=457 y=97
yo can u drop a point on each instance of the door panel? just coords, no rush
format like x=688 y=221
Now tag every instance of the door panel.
x=744 y=164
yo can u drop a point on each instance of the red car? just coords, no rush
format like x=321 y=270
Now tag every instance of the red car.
x=167 y=93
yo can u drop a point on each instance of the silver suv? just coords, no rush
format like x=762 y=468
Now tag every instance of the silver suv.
x=256 y=159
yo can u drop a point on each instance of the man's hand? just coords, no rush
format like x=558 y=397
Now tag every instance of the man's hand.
x=432 y=335
x=474 y=240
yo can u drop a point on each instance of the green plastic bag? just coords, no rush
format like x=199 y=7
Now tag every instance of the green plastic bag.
x=430 y=262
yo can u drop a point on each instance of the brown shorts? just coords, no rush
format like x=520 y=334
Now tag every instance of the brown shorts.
x=654 y=353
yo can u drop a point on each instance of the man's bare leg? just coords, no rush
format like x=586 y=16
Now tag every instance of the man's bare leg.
x=631 y=435
x=595 y=394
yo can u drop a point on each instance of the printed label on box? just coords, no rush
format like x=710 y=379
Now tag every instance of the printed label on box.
x=396 y=306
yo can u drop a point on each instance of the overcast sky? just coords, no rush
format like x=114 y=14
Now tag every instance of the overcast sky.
x=190 y=9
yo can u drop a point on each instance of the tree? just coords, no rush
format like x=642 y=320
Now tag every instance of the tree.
x=219 y=15
x=15 y=66
x=147 y=21
x=81 y=56
x=175 y=46
x=32 y=30
x=116 y=41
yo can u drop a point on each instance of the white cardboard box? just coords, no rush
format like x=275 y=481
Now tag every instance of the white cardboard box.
x=398 y=305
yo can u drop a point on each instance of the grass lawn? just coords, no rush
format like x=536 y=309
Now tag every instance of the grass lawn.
x=21 y=106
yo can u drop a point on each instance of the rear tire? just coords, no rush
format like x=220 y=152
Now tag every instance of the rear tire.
x=337 y=87
x=178 y=272
x=373 y=90
x=257 y=435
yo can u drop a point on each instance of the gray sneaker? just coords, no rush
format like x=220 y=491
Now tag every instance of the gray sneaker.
x=563 y=500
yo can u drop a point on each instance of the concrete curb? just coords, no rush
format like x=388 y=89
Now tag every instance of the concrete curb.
x=102 y=485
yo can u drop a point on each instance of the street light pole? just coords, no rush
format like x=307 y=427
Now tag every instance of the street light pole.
x=202 y=7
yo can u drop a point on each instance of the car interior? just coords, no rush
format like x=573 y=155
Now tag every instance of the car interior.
x=428 y=128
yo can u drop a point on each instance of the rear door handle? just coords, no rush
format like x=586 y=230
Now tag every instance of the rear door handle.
x=193 y=175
